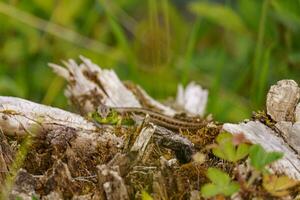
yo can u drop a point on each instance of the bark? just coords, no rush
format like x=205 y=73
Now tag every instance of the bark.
x=71 y=157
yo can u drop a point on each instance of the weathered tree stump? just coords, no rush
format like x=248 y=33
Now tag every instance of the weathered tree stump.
x=69 y=156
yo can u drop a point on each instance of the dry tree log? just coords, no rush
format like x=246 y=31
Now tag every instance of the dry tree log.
x=66 y=145
x=281 y=105
x=55 y=133
x=284 y=133
x=20 y=117
x=89 y=86
x=72 y=157
x=259 y=133
x=282 y=99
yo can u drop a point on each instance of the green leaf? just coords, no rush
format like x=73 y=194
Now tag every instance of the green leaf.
x=221 y=184
x=224 y=137
x=33 y=197
x=9 y=86
x=242 y=151
x=222 y=15
x=217 y=176
x=288 y=12
x=229 y=150
x=46 y=5
x=259 y=158
x=231 y=188
x=256 y=152
x=120 y=35
x=263 y=73
x=226 y=150
x=209 y=190
x=67 y=10
x=273 y=156
x=146 y=196
x=219 y=153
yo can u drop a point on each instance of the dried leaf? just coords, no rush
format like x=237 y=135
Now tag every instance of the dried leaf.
x=278 y=186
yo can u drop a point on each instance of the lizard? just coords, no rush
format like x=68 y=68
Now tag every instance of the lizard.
x=125 y=115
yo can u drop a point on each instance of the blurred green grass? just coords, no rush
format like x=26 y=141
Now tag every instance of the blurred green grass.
x=236 y=49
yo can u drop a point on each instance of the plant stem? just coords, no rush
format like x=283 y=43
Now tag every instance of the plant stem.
x=54 y=29
x=189 y=51
x=253 y=177
x=258 y=51
x=15 y=166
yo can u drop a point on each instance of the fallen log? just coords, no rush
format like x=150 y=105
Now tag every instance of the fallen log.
x=72 y=157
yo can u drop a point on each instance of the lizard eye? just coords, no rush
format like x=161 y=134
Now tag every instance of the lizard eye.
x=103 y=110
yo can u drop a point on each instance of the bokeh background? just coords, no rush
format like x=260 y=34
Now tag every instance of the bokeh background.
x=234 y=48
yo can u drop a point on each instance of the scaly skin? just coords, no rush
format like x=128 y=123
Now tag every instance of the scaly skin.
x=161 y=119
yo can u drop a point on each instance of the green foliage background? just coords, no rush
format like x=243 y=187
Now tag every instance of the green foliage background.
x=236 y=49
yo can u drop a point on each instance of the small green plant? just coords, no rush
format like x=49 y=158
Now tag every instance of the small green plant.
x=278 y=186
x=259 y=158
x=221 y=184
x=227 y=150
x=33 y=197
x=146 y=196
x=234 y=148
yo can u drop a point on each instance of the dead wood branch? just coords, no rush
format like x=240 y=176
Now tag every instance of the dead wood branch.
x=71 y=157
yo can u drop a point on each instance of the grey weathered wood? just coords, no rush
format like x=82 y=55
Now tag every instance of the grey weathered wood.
x=282 y=99
x=112 y=183
x=283 y=107
x=257 y=132
x=89 y=85
x=297 y=113
x=24 y=186
x=291 y=133
x=18 y=115
x=192 y=99
x=281 y=102
x=143 y=139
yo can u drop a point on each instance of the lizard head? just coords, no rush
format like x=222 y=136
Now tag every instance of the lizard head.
x=104 y=110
